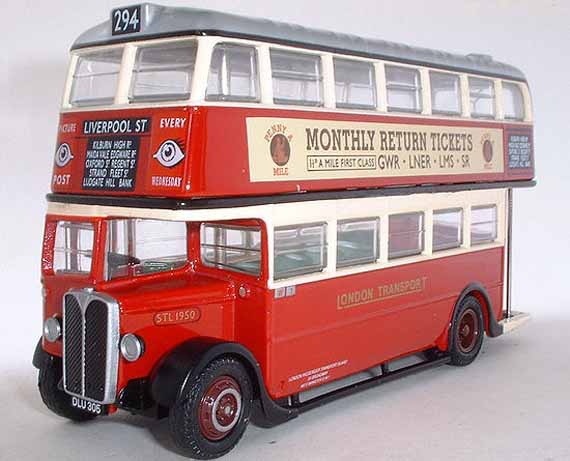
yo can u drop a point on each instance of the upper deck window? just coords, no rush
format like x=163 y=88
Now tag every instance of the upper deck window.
x=482 y=97
x=513 y=104
x=297 y=78
x=354 y=83
x=96 y=77
x=404 y=89
x=445 y=93
x=233 y=74
x=163 y=72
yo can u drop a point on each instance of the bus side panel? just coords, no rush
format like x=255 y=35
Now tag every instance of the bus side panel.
x=226 y=143
x=251 y=325
x=336 y=327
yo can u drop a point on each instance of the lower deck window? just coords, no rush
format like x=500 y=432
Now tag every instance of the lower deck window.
x=447 y=229
x=300 y=250
x=236 y=248
x=357 y=242
x=406 y=235
x=483 y=224
x=144 y=246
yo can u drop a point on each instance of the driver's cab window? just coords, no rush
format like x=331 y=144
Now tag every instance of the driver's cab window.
x=144 y=246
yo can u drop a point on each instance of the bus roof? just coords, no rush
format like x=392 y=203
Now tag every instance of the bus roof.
x=162 y=21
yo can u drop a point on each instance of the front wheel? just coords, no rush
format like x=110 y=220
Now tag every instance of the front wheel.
x=211 y=415
x=54 y=398
x=467 y=332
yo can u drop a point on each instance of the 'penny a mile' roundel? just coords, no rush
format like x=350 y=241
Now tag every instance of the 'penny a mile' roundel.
x=280 y=149
x=488 y=150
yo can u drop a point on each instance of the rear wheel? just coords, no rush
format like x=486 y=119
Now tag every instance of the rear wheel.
x=211 y=415
x=467 y=332
x=54 y=398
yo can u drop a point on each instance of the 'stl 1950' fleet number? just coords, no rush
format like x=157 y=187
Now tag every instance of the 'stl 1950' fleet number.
x=184 y=315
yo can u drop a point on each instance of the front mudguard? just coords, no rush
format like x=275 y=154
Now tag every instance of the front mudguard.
x=176 y=372
x=40 y=356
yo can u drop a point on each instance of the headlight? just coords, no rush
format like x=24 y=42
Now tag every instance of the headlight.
x=132 y=347
x=52 y=329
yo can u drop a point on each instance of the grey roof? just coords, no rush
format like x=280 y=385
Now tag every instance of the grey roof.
x=162 y=21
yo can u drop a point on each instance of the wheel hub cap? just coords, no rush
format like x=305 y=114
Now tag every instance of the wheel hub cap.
x=468 y=331
x=220 y=408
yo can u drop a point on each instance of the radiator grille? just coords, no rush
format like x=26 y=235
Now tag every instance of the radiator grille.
x=95 y=349
x=90 y=345
x=73 y=338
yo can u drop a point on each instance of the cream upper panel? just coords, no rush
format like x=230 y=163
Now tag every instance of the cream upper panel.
x=331 y=212
x=264 y=73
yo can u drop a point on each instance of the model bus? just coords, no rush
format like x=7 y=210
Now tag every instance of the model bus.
x=244 y=213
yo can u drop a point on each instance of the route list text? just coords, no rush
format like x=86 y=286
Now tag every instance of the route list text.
x=111 y=163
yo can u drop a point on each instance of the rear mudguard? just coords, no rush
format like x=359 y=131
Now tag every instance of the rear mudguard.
x=494 y=327
x=176 y=372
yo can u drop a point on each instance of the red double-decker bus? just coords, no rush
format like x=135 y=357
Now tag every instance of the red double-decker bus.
x=245 y=213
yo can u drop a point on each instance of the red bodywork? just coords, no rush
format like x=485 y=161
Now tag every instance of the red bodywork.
x=290 y=336
x=287 y=335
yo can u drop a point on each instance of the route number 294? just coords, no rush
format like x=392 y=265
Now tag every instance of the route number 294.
x=126 y=20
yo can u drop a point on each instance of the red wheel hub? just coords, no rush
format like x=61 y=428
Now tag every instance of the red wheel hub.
x=220 y=408
x=468 y=331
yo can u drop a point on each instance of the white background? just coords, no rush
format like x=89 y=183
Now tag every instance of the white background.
x=511 y=404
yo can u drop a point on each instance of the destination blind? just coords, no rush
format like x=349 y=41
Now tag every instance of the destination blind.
x=112 y=153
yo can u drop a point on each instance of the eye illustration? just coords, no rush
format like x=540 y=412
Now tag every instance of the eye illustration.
x=63 y=155
x=169 y=154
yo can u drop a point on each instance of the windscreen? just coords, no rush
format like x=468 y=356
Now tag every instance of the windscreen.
x=144 y=246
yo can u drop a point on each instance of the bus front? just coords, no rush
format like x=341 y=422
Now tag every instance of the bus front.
x=114 y=261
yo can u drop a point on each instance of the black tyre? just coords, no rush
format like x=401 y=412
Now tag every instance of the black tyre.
x=211 y=415
x=467 y=332
x=55 y=399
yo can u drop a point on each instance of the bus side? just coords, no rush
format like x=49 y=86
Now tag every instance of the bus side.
x=330 y=324
x=337 y=327
x=240 y=138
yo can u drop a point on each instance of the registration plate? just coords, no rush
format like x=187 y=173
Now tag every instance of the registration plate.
x=88 y=406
